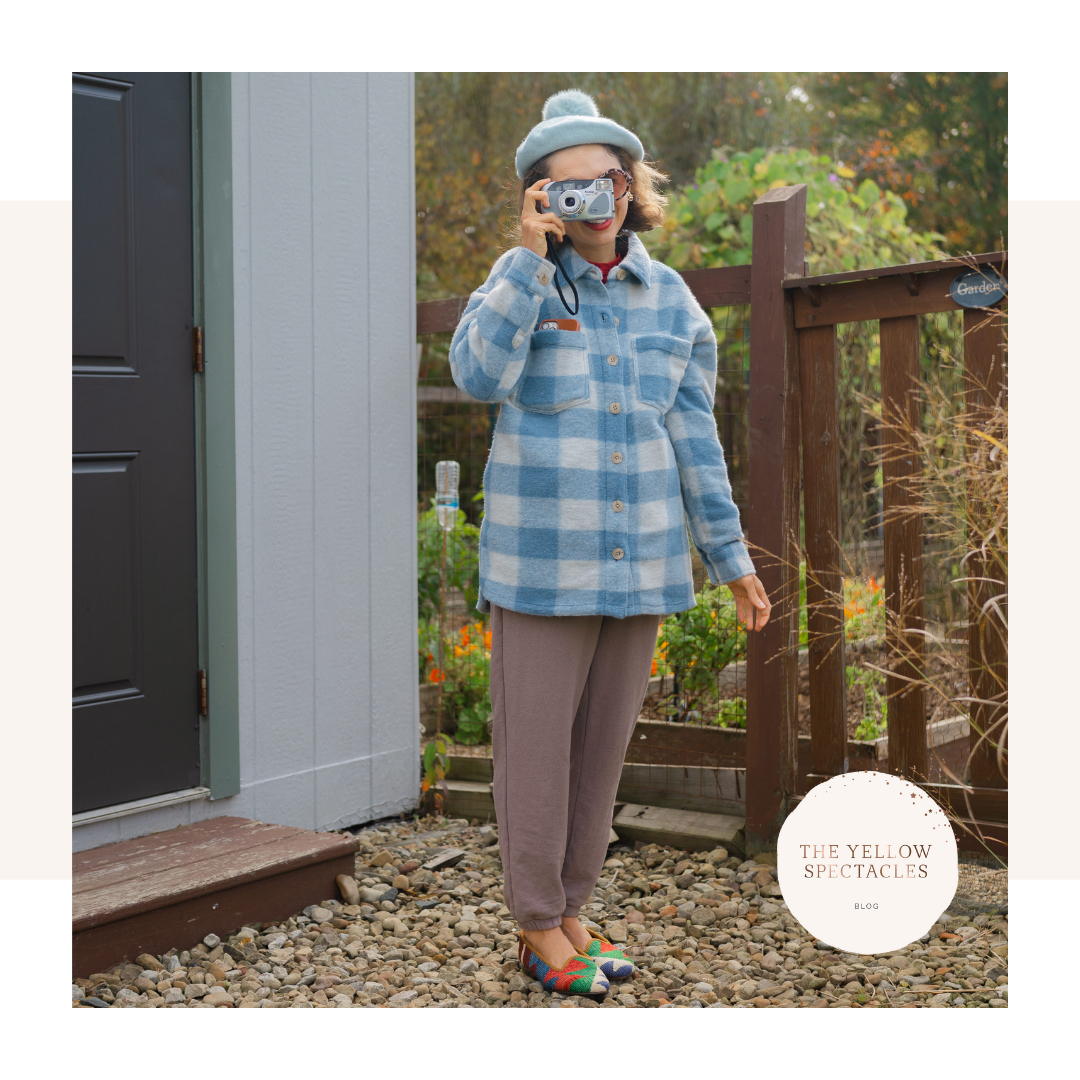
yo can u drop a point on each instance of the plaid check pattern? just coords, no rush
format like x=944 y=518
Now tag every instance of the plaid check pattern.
x=606 y=445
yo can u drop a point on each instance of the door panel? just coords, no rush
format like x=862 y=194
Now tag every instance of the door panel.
x=135 y=723
x=106 y=608
x=103 y=267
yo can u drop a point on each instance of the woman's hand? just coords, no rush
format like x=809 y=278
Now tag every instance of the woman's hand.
x=535 y=226
x=751 y=603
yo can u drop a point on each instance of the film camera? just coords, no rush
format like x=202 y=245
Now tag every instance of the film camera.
x=581 y=200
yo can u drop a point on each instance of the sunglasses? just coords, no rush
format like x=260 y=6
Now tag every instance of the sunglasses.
x=620 y=180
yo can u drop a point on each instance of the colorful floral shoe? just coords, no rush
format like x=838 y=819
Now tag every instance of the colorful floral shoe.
x=610 y=959
x=579 y=975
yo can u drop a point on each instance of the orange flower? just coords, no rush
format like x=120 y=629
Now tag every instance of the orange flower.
x=655 y=666
x=860 y=611
x=458 y=651
x=487 y=640
x=465 y=635
x=436 y=676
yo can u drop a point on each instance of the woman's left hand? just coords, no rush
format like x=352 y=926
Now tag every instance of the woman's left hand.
x=752 y=605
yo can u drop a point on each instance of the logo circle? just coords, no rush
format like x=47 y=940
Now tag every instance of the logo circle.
x=867 y=862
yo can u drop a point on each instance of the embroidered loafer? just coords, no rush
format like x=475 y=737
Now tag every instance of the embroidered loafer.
x=609 y=958
x=579 y=975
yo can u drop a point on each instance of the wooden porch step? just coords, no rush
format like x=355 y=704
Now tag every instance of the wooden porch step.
x=173 y=888
x=684 y=829
x=470 y=799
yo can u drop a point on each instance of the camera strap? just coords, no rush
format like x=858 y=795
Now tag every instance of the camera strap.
x=553 y=256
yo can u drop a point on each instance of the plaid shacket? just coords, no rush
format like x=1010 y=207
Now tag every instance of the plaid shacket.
x=606 y=445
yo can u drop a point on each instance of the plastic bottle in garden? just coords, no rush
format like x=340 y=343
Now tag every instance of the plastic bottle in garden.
x=446 y=493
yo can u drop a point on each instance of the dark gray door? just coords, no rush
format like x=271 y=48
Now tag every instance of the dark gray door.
x=135 y=722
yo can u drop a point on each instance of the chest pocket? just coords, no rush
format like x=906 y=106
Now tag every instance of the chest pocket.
x=659 y=363
x=556 y=374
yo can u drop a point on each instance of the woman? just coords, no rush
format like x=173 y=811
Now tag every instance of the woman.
x=605 y=449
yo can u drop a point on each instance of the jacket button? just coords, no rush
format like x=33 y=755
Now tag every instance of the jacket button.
x=617 y=457
x=617 y=554
x=616 y=320
x=621 y=275
x=542 y=278
x=617 y=505
x=615 y=407
x=518 y=339
x=612 y=360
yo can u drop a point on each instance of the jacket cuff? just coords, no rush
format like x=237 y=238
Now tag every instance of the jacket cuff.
x=530 y=271
x=728 y=563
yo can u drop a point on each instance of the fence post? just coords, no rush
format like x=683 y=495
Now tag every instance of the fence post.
x=987 y=635
x=772 y=523
x=824 y=576
x=901 y=469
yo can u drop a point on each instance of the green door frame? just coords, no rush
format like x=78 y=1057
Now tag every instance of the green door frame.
x=215 y=430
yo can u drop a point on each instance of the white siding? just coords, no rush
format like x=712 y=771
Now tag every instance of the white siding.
x=324 y=259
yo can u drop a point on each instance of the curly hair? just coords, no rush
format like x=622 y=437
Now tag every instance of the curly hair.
x=644 y=213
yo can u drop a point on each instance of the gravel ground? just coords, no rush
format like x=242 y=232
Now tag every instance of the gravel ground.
x=705 y=930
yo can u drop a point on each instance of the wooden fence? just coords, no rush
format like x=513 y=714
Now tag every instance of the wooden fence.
x=793 y=449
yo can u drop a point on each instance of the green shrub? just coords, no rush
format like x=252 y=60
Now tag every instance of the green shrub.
x=697 y=644
x=732 y=713
x=848 y=226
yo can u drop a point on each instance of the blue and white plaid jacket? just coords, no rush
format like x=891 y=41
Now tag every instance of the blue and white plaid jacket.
x=606 y=444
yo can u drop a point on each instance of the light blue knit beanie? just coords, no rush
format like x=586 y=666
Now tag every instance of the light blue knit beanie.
x=571 y=118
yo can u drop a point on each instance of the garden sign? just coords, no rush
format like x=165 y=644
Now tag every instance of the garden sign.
x=978 y=288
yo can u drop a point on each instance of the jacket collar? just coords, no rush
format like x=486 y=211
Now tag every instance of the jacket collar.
x=636 y=260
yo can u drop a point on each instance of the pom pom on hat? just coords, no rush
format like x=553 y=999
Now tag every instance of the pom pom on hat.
x=571 y=118
x=569 y=103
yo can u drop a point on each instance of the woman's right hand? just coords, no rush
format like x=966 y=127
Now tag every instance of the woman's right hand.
x=535 y=226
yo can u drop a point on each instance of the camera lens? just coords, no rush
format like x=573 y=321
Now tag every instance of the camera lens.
x=569 y=202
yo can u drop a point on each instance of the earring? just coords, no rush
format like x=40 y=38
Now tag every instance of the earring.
x=630 y=196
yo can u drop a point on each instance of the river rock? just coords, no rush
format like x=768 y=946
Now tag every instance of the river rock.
x=347 y=886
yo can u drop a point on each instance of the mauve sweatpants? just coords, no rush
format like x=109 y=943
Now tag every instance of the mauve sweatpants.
x=566 y=691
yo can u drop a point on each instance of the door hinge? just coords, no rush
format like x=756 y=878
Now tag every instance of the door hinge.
x=203 y=705
x=196 y=349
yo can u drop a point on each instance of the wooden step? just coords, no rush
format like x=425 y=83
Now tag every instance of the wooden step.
x=171 y=889
x=462 y=767
x=470 y=799
x=686 y=829
x=685 y=787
